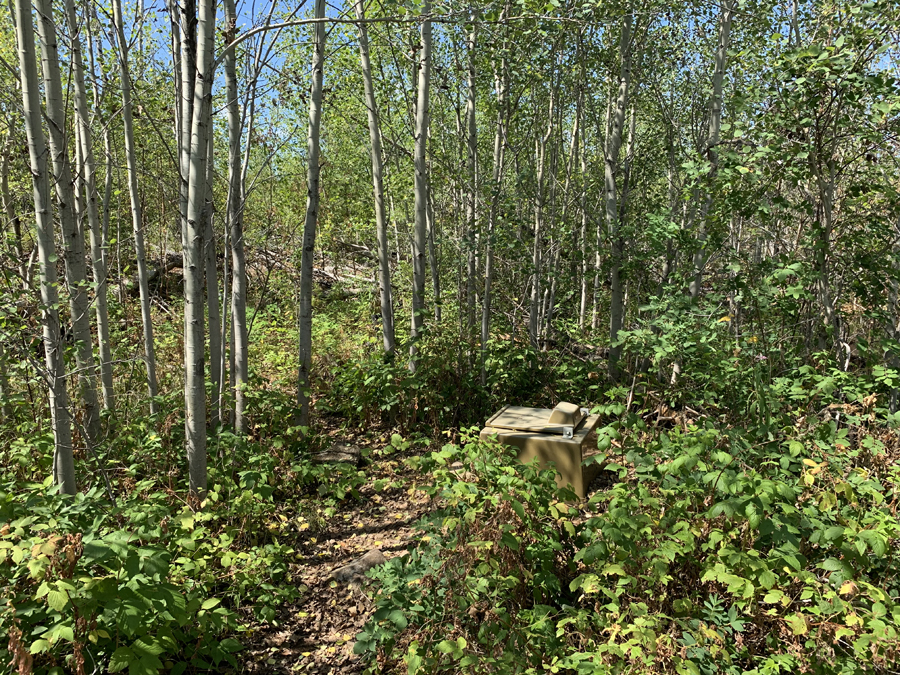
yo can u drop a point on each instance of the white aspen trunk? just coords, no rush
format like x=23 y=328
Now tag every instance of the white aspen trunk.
x=73 y=240
x=88 y=174
x=107 y=146
x=715 y=127
x=496 y=182
x=595 y=317
x=432 y=252
x=381 y=236
x=554 y=275
x=617 y=298
x=239 y=348
x=585 y=248
x=312 y=215
x=540 y=149
x=5 y=394
x=212 y=292
x=472 y=196
x=421 y=188
x=136 y=208
x=193 y=227
x=63 y=462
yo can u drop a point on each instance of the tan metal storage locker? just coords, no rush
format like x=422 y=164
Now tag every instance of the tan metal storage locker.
x=564 y=436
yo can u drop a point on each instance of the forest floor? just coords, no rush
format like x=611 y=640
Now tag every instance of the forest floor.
x=316 y=633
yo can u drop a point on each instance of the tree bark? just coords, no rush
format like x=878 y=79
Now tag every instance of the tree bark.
x=433 y=263
x=421 y=188
x=212 y=292
x=136 y=207
x=192 y=236
x=381 y=236
x=715 y=127
x=472 y=196
x=540 y=152
x=63 y=462
x=312 y=215
x=236 y=176
x=89 y=177
x=570 y=168
x=617 y=298
x=502 y=83
x=73 y=240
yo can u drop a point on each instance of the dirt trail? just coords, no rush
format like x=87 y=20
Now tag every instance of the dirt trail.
x=316 y=633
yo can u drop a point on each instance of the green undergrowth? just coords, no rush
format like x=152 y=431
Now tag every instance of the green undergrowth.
x=716 y=548
x=147 y=582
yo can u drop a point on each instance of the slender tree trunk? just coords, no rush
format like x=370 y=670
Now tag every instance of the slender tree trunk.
x=496 y=183
x=192 y=235
x=472 y=196
x=595 y=315
x=381 y=236
x=236 y=178
x=715 y=126
x=63 y=462
x=540 y=151
x=433 y=252
x=421 y=188
x=88 y=173
x=212 y=292
x=136 y=206
x=76 y=276
x=312 y=214
x=585 y=247
x=617 y=298
x=570 y=168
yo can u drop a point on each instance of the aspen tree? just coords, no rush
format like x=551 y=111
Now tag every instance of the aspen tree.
x=715 y=125
x=192 y=236
x=312 y=215
x=420 y=186
x=87 y=171
x=236 y=177
x=384 y=260
x=502 y=85
x=73 y=240
x=136 y=207
x=617 y=296
x=63 y=462
x=472 y=191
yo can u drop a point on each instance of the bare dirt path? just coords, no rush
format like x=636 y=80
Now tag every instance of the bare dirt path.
x=316 y=633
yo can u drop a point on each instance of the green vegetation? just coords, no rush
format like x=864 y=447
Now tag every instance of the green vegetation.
x=266 y=269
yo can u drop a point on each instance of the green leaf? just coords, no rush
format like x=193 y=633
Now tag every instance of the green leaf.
x=397 y=618
x=231 y=645
x=121 y=659
x=39 y=646
x=767 y=579
x=209 y=603
x=510 y=541
x=58 y=600
x=146 y=665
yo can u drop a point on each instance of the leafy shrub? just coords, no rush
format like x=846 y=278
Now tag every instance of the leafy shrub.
x=760 y=549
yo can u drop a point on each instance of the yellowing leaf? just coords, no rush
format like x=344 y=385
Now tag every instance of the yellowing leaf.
x=848 y=588
x=798 y=624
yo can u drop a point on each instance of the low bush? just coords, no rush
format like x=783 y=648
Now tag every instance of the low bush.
x=717 y=549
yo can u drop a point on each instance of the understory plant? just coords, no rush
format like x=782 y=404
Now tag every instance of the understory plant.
x=716 y=548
